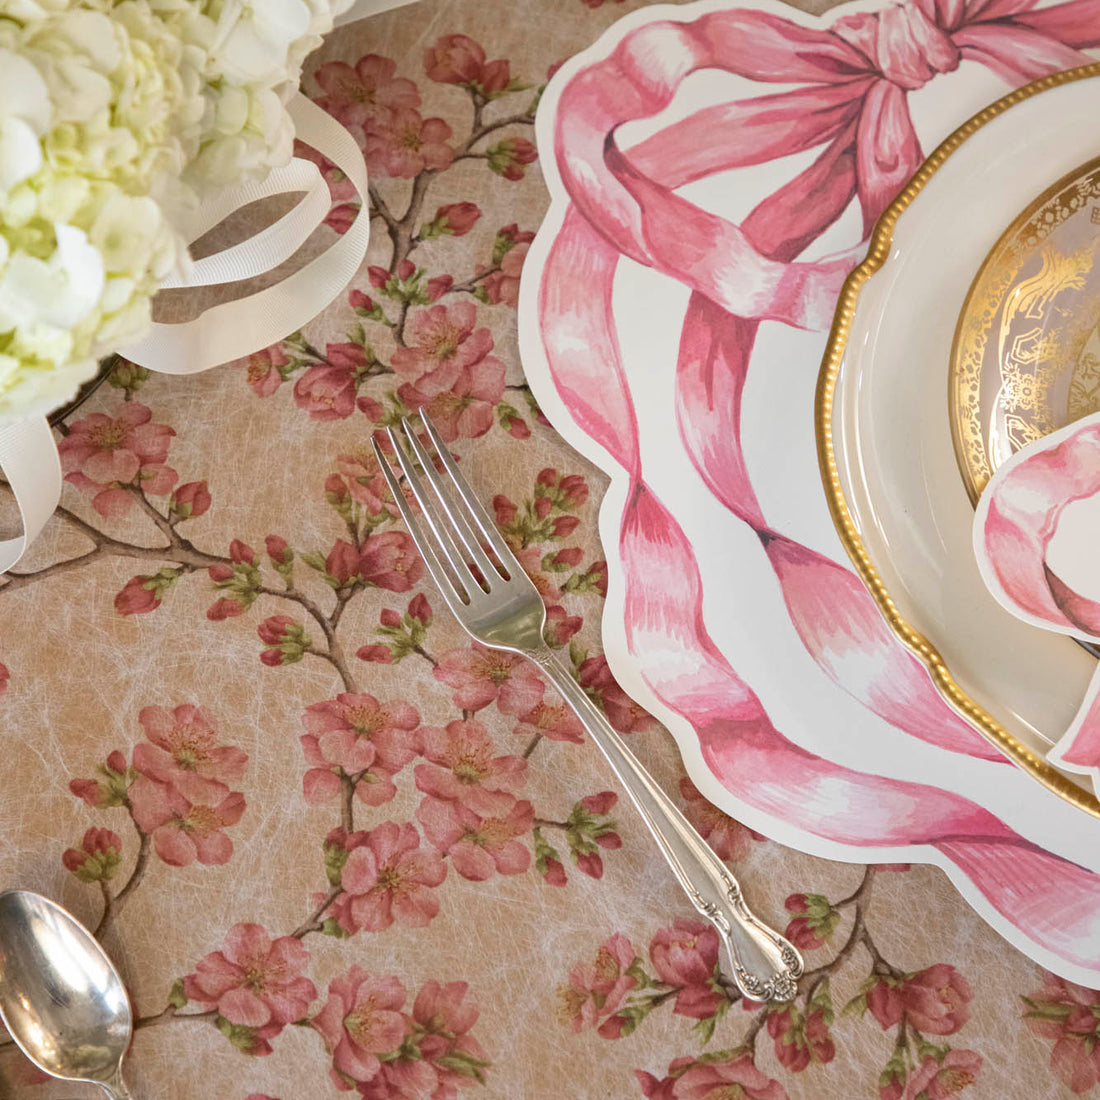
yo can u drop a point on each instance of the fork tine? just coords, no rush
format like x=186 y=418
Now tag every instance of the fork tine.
x=451 y=555
x=455 y=600
x=488 y=528
x=459 y=522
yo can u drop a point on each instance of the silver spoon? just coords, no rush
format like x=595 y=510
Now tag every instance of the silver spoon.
x=61 y=997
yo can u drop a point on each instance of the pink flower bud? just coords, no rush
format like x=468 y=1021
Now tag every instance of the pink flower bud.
x=505 y=510
x=225 y=608
x=377 y=654
x=135 y=598
x=342 y=562
x=590 y=864
x=406 y=269
x=601 y=803
x=555 y=873
x=273 y=630
x=458 y=218
x=568 y=557
x=219 y=572
x=419 y=608
x=358 y=300
x=518 y=428
x=370 y=408
x=390 y=618
x=438 y=286
x=336 y=487
x=191 y=500
x=278 y=550
x=116 y=761
x=243 y=553
x=378 y=277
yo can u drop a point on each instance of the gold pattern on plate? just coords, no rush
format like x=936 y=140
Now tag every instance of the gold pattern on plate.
x=877 y=254
x=1026 y=355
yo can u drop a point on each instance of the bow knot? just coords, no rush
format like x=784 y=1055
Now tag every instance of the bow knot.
x=902 y=43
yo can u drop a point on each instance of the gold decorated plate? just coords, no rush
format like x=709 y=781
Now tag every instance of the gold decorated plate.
x=1026 y=355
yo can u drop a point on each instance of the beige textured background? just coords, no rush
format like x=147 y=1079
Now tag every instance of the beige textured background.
x=80 y=674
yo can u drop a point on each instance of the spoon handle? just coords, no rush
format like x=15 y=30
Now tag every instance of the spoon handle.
x=116 y=1088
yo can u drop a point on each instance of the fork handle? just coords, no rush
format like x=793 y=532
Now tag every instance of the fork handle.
x=765 y=964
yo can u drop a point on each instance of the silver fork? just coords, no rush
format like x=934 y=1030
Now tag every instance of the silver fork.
x=505 y=611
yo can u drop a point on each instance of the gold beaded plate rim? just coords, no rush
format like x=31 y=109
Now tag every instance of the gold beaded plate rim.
x=877 y=254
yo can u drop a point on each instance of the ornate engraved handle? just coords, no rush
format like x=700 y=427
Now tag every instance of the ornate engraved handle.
x=765 y=965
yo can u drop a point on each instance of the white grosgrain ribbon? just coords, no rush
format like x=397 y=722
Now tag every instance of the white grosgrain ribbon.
x=231 y=330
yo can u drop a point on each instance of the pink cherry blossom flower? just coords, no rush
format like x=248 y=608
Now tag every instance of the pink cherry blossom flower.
x=182 y=830
x=254 y=980
x=465 y=411
x=1068 y=1014
x=463 y=768
x=185 y=754
x=370 y=90
x=478 y=846
x=599 y=988
x=935 y=1080
x=388 y=877
x=937 y=1000
x=262 y=369
x=482 y=676
x=622 y=712
x=360 y=1020
x=738 y=1076
x=365 y=482
x=442 y=341
x=685 y=954
x=390 y=560
x=729 y=839
x=454 y=59
x=446 y=1014
x=559 y=723
x=115 y=448
x=404 y=144
x=503 y=286
x=356 y=735
x=327 y=392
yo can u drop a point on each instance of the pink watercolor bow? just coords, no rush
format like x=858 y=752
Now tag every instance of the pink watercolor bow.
x=623 y=203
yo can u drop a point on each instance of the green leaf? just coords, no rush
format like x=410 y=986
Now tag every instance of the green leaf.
x=857 y=1006
x=176 y=996
x=705 y=1029
x=330 y=927
x=314 y=560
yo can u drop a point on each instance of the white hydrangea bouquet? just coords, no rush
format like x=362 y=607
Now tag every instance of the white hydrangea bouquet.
x=118 y=119
x=128 y=128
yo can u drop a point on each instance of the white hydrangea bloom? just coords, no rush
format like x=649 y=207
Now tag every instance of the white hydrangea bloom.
x=116 y=117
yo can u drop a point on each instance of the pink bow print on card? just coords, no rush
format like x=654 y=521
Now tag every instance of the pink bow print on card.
x=1036 y=534
x=845 y=102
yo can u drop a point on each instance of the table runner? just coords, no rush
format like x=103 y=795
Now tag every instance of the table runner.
x=246 y=738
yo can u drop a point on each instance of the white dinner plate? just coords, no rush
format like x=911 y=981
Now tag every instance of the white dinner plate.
x=888 y=460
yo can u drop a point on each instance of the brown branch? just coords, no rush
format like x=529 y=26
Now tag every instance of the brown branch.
x=532 y=745
x=313 y=922
x=172 y=1013
x=114 y=903
x=347 y=803
x=174 y=538
x=861 y=891
x=426 y=655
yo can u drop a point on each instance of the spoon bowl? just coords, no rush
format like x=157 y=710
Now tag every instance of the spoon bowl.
x=61 y=998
